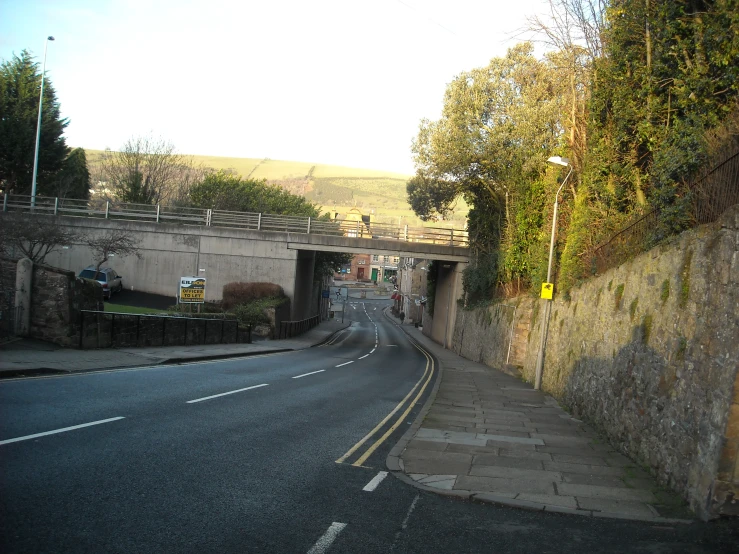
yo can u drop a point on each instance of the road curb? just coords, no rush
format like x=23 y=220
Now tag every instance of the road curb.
x=393 y=461
x=42 y=371
x=222 y=356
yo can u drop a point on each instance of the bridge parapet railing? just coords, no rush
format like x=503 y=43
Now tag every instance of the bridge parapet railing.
x=99 y=207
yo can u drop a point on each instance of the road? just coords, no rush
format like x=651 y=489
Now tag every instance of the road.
x=277 y=453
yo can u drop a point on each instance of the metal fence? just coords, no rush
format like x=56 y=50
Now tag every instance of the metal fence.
x=237 y=220
x=289 y=329
x=712 y=192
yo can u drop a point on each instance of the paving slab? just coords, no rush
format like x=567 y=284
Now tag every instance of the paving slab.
x=612 y=493
x=515 y=473
x=486 y=435
x=496 y=484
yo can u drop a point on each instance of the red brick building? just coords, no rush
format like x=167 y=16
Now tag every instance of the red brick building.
x=357 y=270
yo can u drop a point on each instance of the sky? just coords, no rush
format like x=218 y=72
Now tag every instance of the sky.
x=342 y=82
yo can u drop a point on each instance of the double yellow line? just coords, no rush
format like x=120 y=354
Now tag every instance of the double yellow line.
x=427 y=375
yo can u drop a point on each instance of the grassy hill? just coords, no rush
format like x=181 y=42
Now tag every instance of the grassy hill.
x=333 y=187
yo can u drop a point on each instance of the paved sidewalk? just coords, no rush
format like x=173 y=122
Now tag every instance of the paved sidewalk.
x=487 y=436
x=30 y=357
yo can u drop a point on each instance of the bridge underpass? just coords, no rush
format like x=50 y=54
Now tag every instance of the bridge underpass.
x=169 y=251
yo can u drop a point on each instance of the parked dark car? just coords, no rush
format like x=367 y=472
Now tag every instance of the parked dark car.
x=107 y=277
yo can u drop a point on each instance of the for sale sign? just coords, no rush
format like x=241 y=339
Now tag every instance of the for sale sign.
x=192 y=290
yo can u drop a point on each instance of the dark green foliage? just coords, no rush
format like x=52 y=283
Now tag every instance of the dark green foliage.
x=661 y=77
x=328 y=263
x=20 y=87
x=235 y=294
x=682 y=346
x=225 y=191
x=670 y=74
x=430 y=198
x=646 y=327
x=432 y=277
x=665 y=292
x=254 y=312
x=685 y=279
x=73 y=181
x=617 y=296
x=479 y=279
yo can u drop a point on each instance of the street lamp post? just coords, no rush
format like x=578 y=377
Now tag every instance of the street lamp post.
x=564 y=162
x=38 y=125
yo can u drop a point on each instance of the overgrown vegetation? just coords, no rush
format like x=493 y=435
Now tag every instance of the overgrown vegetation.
x=254 y=312
x=631 y=92
x=235 y=294
x=432 y=277
x=665 y=292
x=685 y=279
x=617 y=296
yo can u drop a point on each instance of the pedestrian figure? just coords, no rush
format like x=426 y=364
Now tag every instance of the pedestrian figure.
x=402 y=317
x=338 y=294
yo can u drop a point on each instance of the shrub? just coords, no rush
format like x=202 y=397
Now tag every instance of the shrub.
x=235 y=294
x=253 y=313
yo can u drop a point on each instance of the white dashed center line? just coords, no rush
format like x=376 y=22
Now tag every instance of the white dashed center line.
x=372 y=485
x=363 y=357
x=226 y=393
x=345 y=363
x=311 y=373
x=63 y=430
x=325 y=542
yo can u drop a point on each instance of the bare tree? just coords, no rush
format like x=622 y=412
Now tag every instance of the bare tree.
x=145 y=171
x=574 y=31
x=113 y=242
x=33 y=237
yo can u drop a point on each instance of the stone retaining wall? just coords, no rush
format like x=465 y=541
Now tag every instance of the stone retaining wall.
x=57 y=296
x=649 y=354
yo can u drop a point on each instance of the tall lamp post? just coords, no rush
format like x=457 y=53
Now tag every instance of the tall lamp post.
x=38 y=126
x=564 y=162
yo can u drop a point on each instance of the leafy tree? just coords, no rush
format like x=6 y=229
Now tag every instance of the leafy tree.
x=73 y=180
x=146 y=170
x=20 y=87
x=328 y=263
x=431 y=199
x=498 y=125
x=222 y=190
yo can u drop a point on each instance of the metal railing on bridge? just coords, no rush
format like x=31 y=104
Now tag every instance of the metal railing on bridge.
x=159 y=213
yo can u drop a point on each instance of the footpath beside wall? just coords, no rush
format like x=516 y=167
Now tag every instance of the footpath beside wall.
x=649 y=354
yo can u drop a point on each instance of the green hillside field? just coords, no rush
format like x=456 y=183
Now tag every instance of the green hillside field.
x=333 y=187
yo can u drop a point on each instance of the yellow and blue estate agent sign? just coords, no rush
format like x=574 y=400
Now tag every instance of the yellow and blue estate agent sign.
x=192 y=290
x=546 y=290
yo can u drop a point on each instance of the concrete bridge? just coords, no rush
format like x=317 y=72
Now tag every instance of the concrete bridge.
x=229 y=246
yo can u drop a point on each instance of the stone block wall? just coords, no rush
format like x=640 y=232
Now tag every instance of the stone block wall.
x=649 y=354
x=495 y=335
x=57 y=296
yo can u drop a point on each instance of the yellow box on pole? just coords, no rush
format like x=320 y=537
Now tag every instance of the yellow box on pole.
x=547 y=289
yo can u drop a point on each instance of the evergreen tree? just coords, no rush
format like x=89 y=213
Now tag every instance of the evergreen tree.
x=73 y=181
x=20 y=87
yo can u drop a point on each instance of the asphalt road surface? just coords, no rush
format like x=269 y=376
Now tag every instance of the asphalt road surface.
x=277 y=453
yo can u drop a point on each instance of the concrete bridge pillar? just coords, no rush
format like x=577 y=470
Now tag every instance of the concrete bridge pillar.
x=302 y=307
